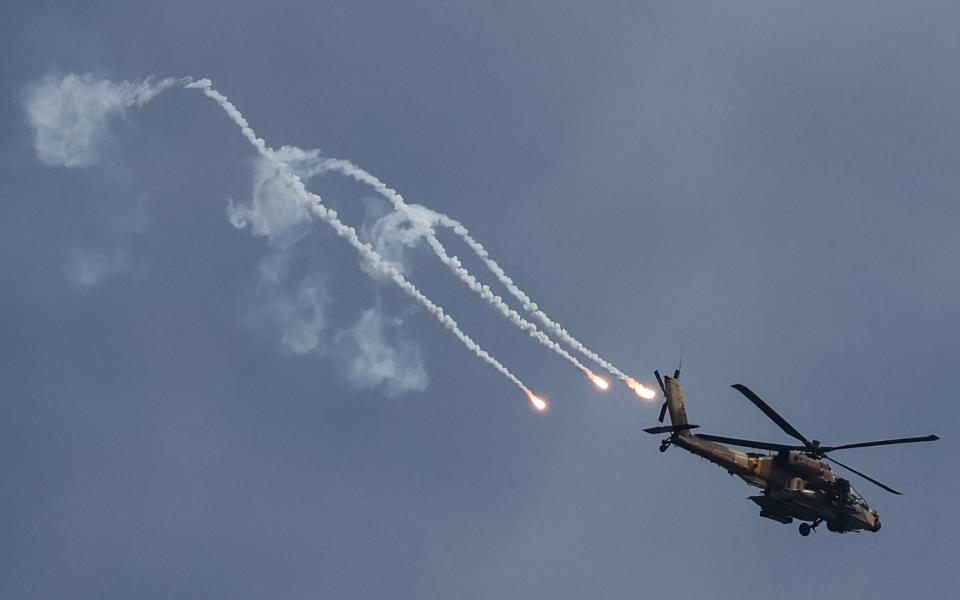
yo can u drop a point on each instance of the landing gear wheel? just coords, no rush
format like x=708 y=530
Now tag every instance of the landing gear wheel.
x=664 y=445
x=805 y=529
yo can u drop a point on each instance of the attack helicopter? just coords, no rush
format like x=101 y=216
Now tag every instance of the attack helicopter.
x=795 y=481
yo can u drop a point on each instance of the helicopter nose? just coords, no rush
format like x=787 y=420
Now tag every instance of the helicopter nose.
x=876 y=522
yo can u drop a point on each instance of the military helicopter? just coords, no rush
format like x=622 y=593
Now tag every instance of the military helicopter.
x=796 y=483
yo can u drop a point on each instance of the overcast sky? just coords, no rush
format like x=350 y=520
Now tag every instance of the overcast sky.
x=205 y=394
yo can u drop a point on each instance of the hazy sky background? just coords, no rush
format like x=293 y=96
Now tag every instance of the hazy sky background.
x=191 y=412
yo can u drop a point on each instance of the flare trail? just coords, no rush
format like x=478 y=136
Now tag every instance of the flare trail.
x=329 y=216
x=351 y=170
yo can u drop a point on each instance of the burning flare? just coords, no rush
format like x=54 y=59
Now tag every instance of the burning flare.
x=641 y=390
x=598 y=381
x=538 y=403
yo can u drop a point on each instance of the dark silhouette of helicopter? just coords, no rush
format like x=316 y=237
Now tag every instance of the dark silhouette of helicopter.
x=796 y=483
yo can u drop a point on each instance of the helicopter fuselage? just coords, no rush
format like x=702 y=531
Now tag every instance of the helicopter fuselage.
x=795 y=486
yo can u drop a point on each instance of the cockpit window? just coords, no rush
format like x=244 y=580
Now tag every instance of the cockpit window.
x=858 y=497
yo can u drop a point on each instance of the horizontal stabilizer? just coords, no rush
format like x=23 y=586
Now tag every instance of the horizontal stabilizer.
x=671 y=428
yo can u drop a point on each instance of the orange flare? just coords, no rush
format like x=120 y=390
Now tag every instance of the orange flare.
x=598 y=381
x=641 y=390
x=538 y=403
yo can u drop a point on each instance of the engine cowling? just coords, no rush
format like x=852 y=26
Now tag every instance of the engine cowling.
x=804 y=465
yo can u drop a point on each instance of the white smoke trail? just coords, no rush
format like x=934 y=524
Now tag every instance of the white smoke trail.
x=375 y=261
x=453 y=263
x=351 y=170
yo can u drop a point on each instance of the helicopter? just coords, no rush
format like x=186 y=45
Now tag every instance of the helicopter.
x=795 y=481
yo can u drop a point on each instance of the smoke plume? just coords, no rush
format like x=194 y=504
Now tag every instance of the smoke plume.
x=70 y=114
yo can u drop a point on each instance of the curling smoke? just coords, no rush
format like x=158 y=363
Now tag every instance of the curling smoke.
x=373 y=259
x=349 y=169
x=70 y=115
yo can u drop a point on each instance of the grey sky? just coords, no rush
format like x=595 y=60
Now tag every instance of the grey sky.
x=184 y=406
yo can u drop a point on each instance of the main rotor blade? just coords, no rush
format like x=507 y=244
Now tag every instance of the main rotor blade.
x=747 y=443
x=909 y=440
x=772 y=414
x=867 y=477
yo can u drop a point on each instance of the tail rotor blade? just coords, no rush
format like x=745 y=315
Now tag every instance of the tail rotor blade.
x=663 y=411
x=659 y=381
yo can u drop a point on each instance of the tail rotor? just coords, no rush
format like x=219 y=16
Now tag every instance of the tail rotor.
x=663 y=409
x=663 y=389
